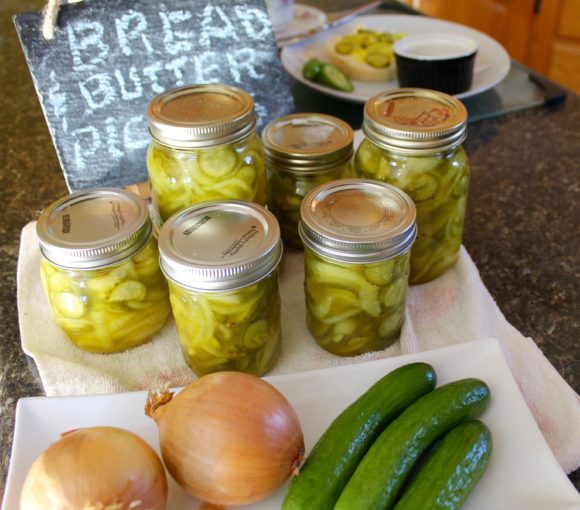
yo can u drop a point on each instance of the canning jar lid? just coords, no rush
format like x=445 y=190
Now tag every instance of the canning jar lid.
x=198 y=116
x=220 y=245
x=94 y=228
x=415 y=121
x=358 y=220
x=307 y=142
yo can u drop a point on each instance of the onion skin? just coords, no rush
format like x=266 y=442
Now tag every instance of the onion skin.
x=97 y=468
x=228 y=438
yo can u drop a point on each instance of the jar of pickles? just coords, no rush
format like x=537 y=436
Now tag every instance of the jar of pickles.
x=100 y=269
x=413 y=141
x=221 y=260
x=303 y=150
x=204 y=147
x=357 y=235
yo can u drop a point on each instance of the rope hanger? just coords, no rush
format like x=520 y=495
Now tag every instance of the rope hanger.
x=50 y=17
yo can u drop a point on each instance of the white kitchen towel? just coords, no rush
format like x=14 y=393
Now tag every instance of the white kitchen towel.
x=454 y=308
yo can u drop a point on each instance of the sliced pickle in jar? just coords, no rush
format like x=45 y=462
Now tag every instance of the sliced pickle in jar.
x=348 y=304
x=218 y=162
x=391 y=324
x=379 y=274
x=368 y=159
x=110 y=309
x=229 y=330
x=68 y=305
x=130 y=290
x=424 y=187
x=183 y=177
x=394 y=294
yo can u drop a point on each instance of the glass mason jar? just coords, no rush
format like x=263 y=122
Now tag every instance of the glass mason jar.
x=204 y=147
x=100 y=269
x=413 y=141
x=303 y=150
x=357 y=235
x=221 y=260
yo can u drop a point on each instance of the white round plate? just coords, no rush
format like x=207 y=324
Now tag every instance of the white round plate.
x=492 y=62
x=304 y=18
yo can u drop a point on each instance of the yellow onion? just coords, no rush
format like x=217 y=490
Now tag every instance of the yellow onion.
x=228 y=438
x=98 y=468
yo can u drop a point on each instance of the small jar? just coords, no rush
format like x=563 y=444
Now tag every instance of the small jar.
x=100 y=269
x=204 y=147
x=303 y=150
x=221 y=260
x=357 y=235
x=413 y=141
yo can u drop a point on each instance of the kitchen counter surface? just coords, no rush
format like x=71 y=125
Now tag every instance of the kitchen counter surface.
x=522 y=226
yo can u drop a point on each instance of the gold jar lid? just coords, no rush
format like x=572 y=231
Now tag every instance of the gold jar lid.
x=358 y=220
x=415 y=121
x=220 y=245
x=307 y=142
x=94 y=228
x=198 y=116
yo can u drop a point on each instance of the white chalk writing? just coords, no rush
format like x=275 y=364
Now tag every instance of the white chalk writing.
x=216 y=25
x=137 y=87
x=130 y=27
x=118 y=61
x=176 y=41
x=98 y=91
x=87 y=47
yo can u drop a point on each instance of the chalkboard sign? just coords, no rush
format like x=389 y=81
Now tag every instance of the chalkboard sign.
x=109 y=58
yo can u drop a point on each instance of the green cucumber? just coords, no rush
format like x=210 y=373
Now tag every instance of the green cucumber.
x=333 y=77
x=377 y=480
x=339 y=450
x=311 y=69
x=450 y=474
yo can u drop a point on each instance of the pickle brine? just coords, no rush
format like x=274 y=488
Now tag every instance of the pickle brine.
x=355 y=308
x=235 y=330
x=109 y=309
x=438 y=184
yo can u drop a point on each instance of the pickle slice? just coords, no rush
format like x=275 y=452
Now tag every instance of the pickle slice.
x=217 y=163
x=344 y=47
x=376 y=59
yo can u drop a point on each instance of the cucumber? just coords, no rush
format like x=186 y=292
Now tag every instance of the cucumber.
x=382 y=472
x=447 y=478
x=333 y=77
x=339 y=450
x=311 y=69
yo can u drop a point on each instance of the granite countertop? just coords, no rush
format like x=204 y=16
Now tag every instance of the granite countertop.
x=522 y=227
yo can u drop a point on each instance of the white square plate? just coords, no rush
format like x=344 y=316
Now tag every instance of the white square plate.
x=523 y=473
